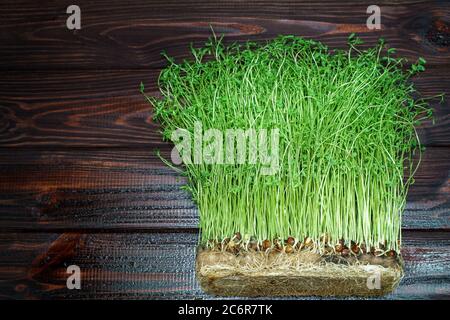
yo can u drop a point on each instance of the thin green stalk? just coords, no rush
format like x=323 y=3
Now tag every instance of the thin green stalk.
x=346 y=125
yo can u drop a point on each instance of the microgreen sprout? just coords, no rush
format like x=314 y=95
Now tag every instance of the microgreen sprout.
x=346 y=121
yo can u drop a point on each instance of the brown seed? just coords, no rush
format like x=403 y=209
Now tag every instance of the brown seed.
x=237 y=235
x=391 y=253
x=339 y=247
x=290 y=241
x=355 y=248
x=345 y=252
x=288 y=249
x=253 y=246
x=308 y=243
x=266 y=244
x=277 y=245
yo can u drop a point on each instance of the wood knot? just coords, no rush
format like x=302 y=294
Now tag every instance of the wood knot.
x=439 y=33
x=62 y=249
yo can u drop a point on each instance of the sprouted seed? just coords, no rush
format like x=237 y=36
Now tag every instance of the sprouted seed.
x=346 y=121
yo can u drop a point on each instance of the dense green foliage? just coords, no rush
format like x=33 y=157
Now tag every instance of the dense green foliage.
x=346 y=121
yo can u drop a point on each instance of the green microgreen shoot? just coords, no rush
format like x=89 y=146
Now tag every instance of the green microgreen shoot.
x=346 y=122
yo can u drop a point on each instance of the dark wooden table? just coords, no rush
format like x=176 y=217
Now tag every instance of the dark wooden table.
x=79 y=179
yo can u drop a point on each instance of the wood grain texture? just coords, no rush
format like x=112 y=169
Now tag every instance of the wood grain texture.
x=113 y=265
x=79 y=179
x=76 y=109
x=105 y=109
x=92 y=189
x=114 y=35
x=116 y=189
x=156 y=265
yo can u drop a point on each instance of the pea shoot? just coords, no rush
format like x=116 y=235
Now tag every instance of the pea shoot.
x=346 y=120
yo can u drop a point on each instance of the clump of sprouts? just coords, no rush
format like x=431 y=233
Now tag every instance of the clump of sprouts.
x=346 y=123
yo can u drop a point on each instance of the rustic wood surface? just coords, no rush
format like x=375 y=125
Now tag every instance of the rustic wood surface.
x=161 y=265
x=80 y=182
x=118 y=35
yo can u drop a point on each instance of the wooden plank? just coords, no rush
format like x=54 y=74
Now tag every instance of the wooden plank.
x=76 y=109
x=105 y=109
x=436 y=131
x=162 y=265
x=428 y=201
x=33 y=266
x=427 y=266
x=112 y=35
x=133 y=189
x=49 y=188
x=92 y=189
